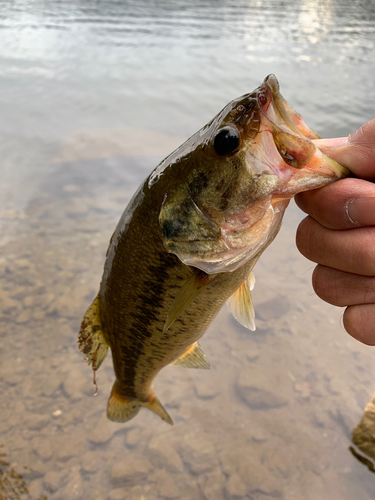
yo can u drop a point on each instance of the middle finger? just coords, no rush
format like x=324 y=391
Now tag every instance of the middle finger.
x=352 y=250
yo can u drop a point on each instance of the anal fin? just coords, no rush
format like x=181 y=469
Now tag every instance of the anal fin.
x=193 y=357
x=91 y=339
x=241 y=304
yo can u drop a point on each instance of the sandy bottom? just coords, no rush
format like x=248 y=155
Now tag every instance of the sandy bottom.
x=271 y=419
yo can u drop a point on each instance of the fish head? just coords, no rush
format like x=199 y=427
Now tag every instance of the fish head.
x=236 y=179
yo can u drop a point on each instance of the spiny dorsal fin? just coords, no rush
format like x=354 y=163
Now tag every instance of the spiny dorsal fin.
x=241 y=304
x=189 y=291
x=193 y=357
x=91 y=339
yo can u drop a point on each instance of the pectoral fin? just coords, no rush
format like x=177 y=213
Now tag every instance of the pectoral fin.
x=241 y=304
x=189 y=291
x=91 y=339
x=193 y=357
x=251 y=280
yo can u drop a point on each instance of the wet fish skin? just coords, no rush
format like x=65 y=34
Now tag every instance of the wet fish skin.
x=139 y=304
x=190 y=237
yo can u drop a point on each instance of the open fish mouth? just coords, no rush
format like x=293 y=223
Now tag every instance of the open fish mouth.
x=250 y=160
x=286 y=113
x=284 y=146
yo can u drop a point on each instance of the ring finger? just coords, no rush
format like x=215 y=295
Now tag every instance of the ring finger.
x=341 y=288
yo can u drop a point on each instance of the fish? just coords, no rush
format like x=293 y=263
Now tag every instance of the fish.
x=189 y=239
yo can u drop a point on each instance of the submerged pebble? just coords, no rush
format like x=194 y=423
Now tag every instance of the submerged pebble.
x=133 y=437
x=213 y=485
x=165 y=453
x=117 y=494
x=261 y=393
x=235 y=487
x=53 y=481
x=133 y=470
x=103 y=431
x=165 y=484
x=273 y=309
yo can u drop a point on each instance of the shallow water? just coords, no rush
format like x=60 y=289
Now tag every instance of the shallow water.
x=93 y=96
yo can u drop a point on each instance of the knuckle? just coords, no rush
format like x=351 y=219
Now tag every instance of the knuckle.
x=327 y=284
x=307 y=238
x=364 y=257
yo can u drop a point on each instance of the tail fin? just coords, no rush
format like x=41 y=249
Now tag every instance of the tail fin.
x=122 y=409
x=155 y=406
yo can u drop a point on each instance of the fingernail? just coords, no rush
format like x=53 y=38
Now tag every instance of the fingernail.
x=361 y=211
x=336 y=142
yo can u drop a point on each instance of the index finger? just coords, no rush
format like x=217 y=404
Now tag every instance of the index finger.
x=356 y=152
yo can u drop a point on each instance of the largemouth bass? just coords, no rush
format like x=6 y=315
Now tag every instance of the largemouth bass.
x=190 y=237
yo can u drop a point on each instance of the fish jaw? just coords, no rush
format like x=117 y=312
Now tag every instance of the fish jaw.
x=307 y=168
x=218 y=229
x=284 y=147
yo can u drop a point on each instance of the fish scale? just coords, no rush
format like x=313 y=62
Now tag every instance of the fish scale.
x=189 y=239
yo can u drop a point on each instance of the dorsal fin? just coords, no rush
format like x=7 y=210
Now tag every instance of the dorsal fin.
x=189 y=291
x=193 y=357
x=241 y=304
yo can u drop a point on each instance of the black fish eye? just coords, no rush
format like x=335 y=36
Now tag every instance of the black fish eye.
x=227 y=141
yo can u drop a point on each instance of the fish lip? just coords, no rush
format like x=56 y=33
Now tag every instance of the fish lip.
x=272 y=86
x=272 y=83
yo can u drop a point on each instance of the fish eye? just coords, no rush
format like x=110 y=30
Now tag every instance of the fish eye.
x=227 y=141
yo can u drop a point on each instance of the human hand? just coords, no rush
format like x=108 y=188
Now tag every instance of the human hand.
x=339 y=233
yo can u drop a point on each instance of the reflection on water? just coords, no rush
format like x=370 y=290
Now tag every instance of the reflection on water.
x=168 y=67
x=93 y=95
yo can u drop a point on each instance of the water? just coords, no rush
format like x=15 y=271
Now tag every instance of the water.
x=93 y=95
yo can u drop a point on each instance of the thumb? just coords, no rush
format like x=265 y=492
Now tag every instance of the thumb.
x=356 y=152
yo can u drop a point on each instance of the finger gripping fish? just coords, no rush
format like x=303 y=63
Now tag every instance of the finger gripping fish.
x=189 y=239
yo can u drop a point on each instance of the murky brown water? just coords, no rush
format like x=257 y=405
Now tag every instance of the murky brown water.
x=93 y=111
